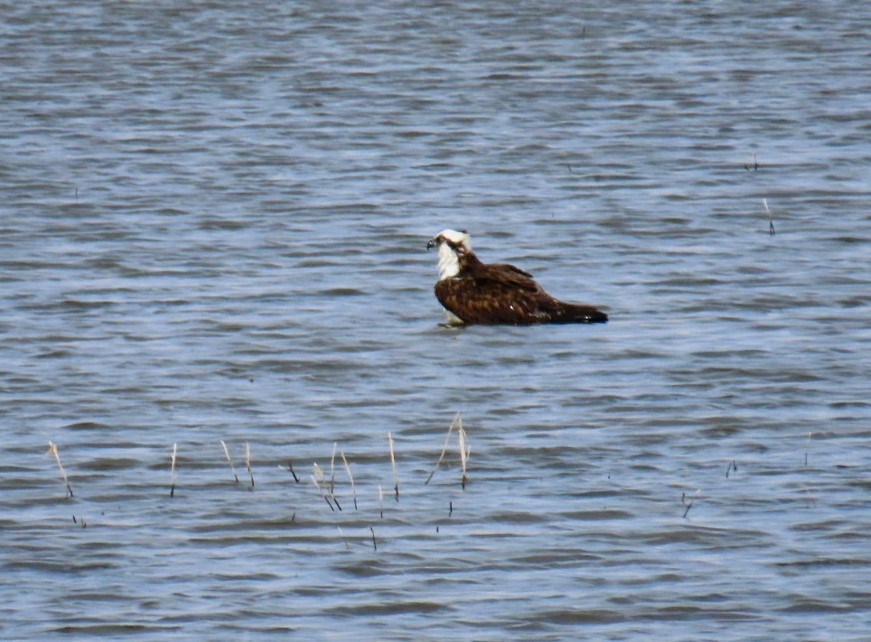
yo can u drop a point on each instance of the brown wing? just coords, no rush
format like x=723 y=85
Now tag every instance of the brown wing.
x=505 y=274
x=494 y=294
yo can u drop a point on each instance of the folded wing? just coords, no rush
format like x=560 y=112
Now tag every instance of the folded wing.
x=503 y=294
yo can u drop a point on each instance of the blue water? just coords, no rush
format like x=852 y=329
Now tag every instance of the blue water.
x=212 y=228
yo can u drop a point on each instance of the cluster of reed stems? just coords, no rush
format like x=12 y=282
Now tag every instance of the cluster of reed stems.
x=323 y=481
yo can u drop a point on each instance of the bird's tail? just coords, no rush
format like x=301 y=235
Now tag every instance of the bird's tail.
x=575 y=313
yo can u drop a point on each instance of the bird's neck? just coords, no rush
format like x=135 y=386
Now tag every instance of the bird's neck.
x=449 y=262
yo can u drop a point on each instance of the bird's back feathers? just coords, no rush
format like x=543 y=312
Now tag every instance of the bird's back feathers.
x=499 y=293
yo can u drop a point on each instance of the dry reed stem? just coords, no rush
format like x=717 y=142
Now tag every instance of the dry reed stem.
x=53 y=450
x=248 y=464
x=322 y=491
x=444 y=449
x=770 y=218
x=351 y=477
x=731 y=467
x=691 y=502
x=230 y=461
x=172 y=469
x=290 y=469
x=333 y=470
x=464 y=453
x=393 y=465
x=326 y=491
x=755 y=164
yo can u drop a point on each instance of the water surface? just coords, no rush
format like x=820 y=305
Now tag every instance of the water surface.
x=212 y=228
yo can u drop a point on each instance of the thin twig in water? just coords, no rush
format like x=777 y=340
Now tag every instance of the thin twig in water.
x=374 y=543
x=230 y=461
x=323 y=493
x=444 y=450
x=333 y=470
x=248 y=463
x=755 y=164
x=53 y=450
x=381 y=500
x=393 y=465
x=770 y=218
x=290 y=468
x=464 y=453
x=351 y=477
x=691 y=502
x=172 y=469
x=732 y=466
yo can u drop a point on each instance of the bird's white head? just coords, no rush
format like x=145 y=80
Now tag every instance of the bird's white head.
x=450 y=243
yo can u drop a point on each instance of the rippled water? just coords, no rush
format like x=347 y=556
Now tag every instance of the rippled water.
x=212 y=229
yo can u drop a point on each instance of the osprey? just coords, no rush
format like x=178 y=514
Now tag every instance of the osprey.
x=497 y=293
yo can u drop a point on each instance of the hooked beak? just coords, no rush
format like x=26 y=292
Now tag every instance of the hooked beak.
x=432 y=243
